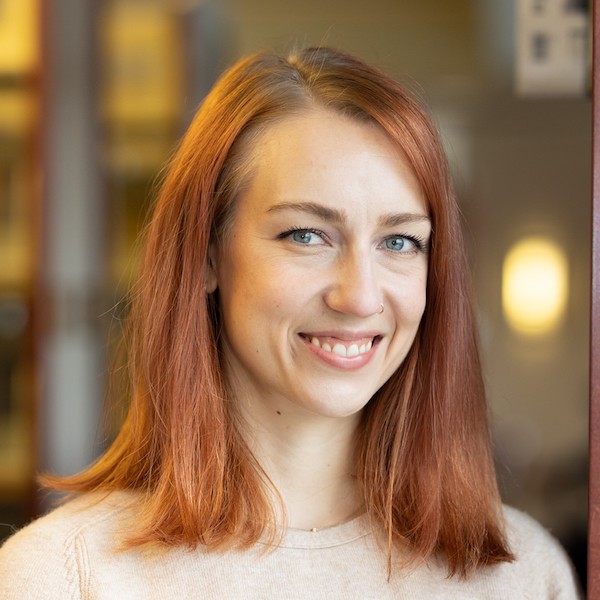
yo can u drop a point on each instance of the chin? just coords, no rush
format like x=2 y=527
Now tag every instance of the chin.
x=340 y=409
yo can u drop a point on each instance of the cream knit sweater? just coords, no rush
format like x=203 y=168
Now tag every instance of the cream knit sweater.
x=72 y=554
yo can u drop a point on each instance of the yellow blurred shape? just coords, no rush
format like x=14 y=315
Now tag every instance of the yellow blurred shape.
x=142 y=63
x=534 y=285
x=18 y=36
x=18 y=111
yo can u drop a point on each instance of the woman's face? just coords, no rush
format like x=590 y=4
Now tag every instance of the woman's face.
x=331 y=226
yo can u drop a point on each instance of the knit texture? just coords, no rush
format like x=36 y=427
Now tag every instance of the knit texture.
x=73 y=554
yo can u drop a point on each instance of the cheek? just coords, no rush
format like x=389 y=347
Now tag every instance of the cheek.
x=236 y=276
x=411 y=298
x=421 y=297
x=250 y=293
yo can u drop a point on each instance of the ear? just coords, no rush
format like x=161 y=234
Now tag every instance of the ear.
x=210 y=270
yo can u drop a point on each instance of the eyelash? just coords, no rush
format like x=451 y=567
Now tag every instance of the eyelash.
x=293 y=230
x=419 y=242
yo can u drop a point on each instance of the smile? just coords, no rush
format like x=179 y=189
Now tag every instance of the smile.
x=340 y=347
x=342 y=350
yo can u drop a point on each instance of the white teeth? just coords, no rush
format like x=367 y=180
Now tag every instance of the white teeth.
x=340 y=349
x=352 y=350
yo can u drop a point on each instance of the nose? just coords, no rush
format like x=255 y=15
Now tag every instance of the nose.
x=355 y=288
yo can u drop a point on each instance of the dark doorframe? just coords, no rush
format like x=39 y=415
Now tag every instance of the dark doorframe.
x=594 y=478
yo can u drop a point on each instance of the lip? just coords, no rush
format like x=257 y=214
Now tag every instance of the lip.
x=349 y=363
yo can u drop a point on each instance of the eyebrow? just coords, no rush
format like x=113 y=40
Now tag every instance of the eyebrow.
x=394 y=220
x=332 y=215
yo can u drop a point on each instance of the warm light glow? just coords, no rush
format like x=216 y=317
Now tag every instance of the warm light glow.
x=19 y=36
x=534 y=285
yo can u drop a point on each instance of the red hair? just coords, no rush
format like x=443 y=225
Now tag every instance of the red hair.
x=425 y=464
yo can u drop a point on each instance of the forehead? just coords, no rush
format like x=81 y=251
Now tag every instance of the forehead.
x=324 y=156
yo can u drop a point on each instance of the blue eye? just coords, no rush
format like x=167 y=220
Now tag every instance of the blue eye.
x=302 y=236
x=398 y=244
x=305 y=237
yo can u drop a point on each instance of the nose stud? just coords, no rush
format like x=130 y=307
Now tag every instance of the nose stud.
x=381 y=309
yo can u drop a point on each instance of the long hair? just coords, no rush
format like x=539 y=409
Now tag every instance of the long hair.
x=425 y=466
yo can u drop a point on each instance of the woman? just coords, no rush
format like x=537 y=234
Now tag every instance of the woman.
x=307 y=416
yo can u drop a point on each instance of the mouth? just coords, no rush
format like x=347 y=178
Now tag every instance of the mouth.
x=342 y=347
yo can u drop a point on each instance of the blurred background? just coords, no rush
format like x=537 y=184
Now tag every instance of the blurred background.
x=93 y=97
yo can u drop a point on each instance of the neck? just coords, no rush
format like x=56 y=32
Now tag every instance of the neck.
x=310 y=462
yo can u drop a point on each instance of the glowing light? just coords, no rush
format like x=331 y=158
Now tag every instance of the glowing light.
x=534 y=285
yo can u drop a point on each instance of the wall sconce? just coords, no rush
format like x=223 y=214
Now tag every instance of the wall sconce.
x=534 y=285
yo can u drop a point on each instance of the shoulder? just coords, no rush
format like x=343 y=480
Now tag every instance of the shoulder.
x=539 y=557
x=46 y=558
x=526 y=535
